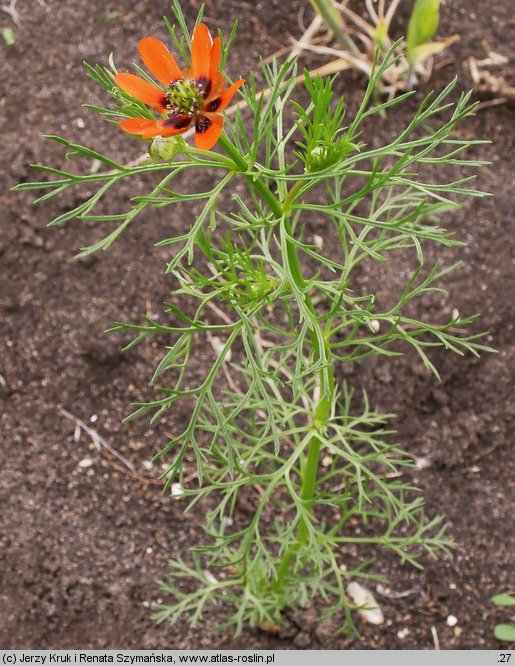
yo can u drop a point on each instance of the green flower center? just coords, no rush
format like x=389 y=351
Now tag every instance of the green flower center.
x=185 y=96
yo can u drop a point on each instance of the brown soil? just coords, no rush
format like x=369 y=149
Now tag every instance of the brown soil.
x=81 y=547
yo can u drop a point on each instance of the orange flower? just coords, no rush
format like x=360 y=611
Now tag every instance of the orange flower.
x=192 y=95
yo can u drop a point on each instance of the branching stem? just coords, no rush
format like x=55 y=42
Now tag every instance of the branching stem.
x=326 y=378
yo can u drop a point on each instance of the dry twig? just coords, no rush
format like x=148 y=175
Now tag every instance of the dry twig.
x=97 y=440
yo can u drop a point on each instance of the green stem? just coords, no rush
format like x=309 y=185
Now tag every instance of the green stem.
x=309 y=480
x=334 y=21
x=257 y=184
x=327 y=387
x=216 y=157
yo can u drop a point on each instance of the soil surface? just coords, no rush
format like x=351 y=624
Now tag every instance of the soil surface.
x=82 y=539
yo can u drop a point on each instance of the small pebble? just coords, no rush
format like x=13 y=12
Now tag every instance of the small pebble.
x=177 y=490
x=422 y=463
x=218 y=346
x=371 y=612
x=402 y=633
x=209 y=577
x=93 y=418
x=85 y=462
x=452 y=621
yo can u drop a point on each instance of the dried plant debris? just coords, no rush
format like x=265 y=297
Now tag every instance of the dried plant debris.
x=493 y=77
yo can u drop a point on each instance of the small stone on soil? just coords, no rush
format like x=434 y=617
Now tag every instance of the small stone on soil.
x=372 y=613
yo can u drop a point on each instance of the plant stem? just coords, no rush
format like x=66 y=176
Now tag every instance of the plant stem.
x=310 y=472
x=216 y=157
x=257 y=184
x=334 y=21
x=326 y=385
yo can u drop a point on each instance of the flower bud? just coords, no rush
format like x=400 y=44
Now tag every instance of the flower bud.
x=167 y=149
x=381 y=35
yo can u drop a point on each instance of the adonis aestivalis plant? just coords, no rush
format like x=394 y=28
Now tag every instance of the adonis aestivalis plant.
x=278 y=454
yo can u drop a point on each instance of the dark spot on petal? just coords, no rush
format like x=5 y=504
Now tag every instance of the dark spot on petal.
x=204 y=86
x=177 y=120
x=214 y=105
x=202 y=124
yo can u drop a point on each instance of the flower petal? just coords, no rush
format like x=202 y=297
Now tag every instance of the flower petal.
x=201 y=45
x=229 y=93
x=141 y=90
x=141 y=126
x=177 y=123
x=221 y=102
x=208 y=128
x=159 y=60
x=217 y=86
x=216 y=52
